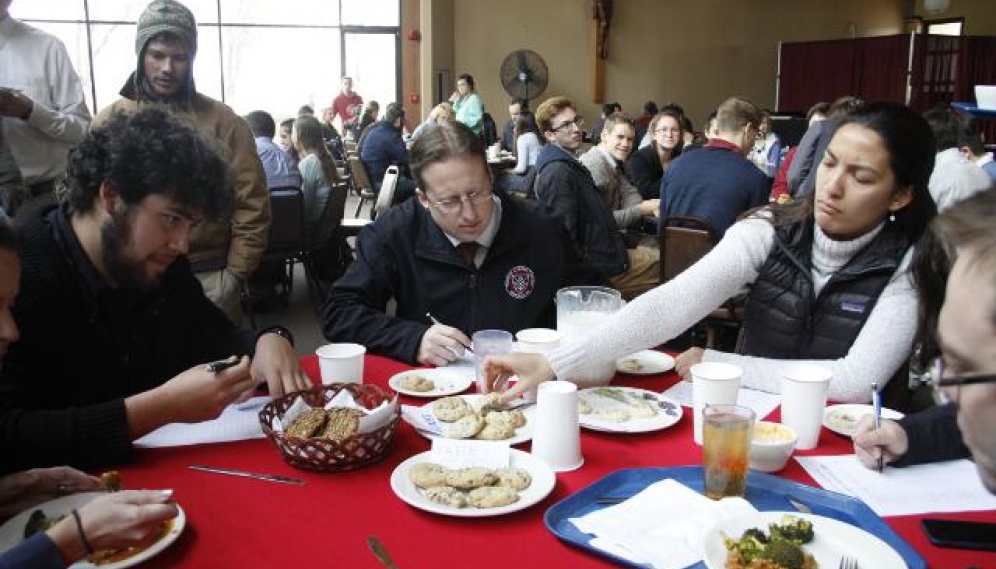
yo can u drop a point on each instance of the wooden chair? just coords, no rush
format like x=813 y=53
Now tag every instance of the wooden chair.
x=683 y=241
x=360 y=183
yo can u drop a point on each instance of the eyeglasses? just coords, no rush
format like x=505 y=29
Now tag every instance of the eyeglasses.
x=937 y=380
x=455 y=205
x=577 y=121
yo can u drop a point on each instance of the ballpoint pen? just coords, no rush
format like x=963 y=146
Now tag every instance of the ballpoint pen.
x=217 y=366
x=877 y=404
x=434 y=321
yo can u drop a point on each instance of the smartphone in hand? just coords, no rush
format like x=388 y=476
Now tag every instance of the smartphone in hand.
x=961 y=534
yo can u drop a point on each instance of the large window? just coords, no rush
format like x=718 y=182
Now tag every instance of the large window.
x=251 y=54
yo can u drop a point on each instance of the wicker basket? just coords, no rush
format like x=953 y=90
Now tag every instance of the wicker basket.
x=327 y=455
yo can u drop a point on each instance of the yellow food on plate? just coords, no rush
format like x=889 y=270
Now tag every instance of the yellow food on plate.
x=631 y=365
x=417 y=383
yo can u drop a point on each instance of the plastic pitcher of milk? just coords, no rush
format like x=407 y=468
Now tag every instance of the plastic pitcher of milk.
x=579 y=310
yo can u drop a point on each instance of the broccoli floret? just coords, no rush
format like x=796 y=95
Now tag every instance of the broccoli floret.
x=750 y=545
x=793 y=529
x=757 y=534
x=784 y=553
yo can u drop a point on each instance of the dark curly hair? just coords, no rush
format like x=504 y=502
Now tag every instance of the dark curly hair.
x=149 y=152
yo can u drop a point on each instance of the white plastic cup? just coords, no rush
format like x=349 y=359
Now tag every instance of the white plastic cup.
x=536 y=341
x=488 y=343
x=557 y=433
x=804 y=397
x=713 y=383
x=341 y=363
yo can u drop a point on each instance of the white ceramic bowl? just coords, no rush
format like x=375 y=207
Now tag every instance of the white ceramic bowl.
x=771 y=446
x=985 y=97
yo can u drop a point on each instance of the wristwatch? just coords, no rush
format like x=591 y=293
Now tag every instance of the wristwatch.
x=279 y=331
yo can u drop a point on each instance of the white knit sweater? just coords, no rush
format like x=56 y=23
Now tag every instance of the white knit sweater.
x=882 y=345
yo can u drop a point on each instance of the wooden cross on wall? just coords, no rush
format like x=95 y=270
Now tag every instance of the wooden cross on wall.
x=601 y=21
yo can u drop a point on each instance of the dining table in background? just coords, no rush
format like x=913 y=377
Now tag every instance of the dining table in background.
x=247 y=523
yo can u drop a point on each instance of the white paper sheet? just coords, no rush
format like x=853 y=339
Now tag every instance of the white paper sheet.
x=236 y=423
x=761 y=402
x=952 y=486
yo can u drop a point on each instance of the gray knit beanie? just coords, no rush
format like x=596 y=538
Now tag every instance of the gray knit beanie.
x=166 y=16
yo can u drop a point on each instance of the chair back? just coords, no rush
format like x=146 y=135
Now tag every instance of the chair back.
x=287 y=225
x=358 y=173
x=385 y=197
x=331 y=218
x=683 y=240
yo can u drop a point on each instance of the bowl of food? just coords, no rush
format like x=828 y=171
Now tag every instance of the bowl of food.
x=771 y=446
x=985 y=97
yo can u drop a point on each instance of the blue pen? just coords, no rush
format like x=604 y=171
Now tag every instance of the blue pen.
x=877 y=404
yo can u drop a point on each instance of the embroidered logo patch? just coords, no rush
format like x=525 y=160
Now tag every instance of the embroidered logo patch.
x=856 y=307
x=520 y=282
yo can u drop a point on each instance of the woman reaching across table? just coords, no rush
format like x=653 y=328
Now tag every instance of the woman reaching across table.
x=826 y=277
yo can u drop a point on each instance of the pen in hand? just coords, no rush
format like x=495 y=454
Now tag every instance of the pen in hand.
x=220 y=365
x=877 y=404
x=437 y=322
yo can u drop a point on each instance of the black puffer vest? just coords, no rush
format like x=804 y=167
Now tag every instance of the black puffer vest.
x=786 y=321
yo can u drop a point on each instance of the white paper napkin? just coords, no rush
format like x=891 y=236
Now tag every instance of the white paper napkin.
x=663 y=525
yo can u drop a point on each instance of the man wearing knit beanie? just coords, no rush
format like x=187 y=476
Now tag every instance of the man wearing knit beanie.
x=224 y=254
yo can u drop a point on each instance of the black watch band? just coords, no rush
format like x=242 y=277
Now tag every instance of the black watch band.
x=279 y=331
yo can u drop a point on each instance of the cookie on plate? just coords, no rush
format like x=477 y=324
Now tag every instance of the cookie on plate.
x=488 y=403
x=428 y=474
x=584 y=407
x=642 y=409
x=515 y=478
x=417 y=383
x=514 y=418
x=450 y=409
x=472 y=477
x=465 y=427
x=492 y=496
x=446 y=495
x=496 y=432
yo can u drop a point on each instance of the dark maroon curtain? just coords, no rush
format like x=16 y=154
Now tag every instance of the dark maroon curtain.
x=871 y=68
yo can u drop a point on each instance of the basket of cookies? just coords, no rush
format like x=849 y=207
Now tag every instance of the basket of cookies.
x=341 y=426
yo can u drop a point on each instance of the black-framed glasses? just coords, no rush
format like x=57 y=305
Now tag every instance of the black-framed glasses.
x=937 y=379
x=454 y=205
x=577 y=121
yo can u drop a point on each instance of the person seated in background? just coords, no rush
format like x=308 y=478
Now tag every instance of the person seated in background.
x=519 y=180
x=955 y=177
x=766 y=153
x=111 y=521
x=827 y=276
x=971 y=145
x=281 y=171
x=596 y=131
x=508 y=137
x=605 y=161
x=647 y=165
x=473 y=259
x=382 y=146
x=566 y=187
x=650 y=111
x=963 y=373
x=780 y=191
x=114 y=325
x=467 y=104
x=802 y=174
x=318 y=174
x=440 y=113
x=367 y=118
x=718 y=183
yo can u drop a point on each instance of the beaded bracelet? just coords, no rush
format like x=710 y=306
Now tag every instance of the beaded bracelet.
x=79 y=528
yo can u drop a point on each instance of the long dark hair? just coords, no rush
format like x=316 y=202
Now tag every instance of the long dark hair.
x=910 y=144
x=308 y=140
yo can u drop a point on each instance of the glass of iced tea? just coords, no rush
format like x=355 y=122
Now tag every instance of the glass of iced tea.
x=726 y=434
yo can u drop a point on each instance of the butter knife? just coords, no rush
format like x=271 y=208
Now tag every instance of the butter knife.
x=247 y=474
x=378 y=549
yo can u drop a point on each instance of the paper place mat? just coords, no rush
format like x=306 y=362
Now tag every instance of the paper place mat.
x=236 y=423
x=761 y=402
x=951 y=486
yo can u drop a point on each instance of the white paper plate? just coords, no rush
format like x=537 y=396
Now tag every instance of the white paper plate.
x=668 y=411
x=522 y=434
x=833 y=540
x=543 y=482
x=842 y=419
x=448 y=382
x=12 y=532
x=647 y=362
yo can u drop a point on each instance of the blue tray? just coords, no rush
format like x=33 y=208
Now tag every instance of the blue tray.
x=764 y=491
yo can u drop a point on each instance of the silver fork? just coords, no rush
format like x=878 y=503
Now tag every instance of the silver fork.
x=848 y=563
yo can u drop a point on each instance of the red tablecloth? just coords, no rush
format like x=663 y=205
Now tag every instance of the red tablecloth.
x=236 y=522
